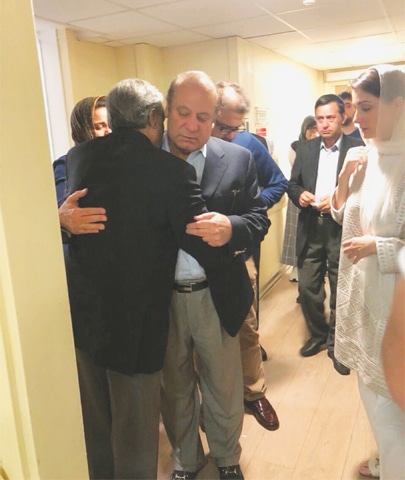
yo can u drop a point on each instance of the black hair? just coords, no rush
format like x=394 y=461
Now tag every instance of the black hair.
x=329 y=98
x=345 y=95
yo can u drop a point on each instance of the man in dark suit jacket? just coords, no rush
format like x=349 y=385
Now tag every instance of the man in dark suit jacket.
x=202 y=350
x=313 y=179
x=121 y=279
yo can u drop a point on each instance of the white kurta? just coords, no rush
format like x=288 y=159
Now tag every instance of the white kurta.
x=365 y=290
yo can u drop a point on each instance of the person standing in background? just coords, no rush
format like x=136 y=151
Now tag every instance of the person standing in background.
x=232 y=108
x=288 y=255
x=369 y=201
x=88 y=120
x=348 y=127
x=313 y=179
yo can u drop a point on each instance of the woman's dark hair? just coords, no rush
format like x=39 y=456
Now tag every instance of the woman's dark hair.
x=369 y=82
x=81 y=118
x=308 y=122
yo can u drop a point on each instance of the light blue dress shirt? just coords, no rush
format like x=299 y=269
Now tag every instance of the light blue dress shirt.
x=187 y=268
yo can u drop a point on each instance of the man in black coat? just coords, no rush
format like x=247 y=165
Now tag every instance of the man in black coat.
x=203 y=352
x=313 y=180
x=121 y=279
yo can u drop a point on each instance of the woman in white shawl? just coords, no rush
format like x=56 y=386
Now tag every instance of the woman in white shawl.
x=369 y=201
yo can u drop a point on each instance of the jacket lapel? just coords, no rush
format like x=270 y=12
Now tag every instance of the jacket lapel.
x=216 y=164
x=313 y=153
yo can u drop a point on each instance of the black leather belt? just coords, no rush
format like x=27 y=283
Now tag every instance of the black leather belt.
x=190 y=287
x=322 y=214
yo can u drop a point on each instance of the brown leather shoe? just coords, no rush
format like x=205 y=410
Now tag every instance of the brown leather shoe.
x=263 y=412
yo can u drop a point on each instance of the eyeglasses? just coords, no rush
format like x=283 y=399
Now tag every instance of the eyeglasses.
x=226 y=129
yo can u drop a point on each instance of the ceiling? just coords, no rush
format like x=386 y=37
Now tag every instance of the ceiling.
x=330 y=34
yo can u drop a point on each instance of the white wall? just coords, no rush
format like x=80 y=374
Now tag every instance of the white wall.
x=49 y=62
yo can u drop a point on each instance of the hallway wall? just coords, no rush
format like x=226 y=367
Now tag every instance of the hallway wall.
x=40 y=418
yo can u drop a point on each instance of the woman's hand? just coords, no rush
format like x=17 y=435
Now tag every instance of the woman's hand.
x=359 y=247
x=355 y=157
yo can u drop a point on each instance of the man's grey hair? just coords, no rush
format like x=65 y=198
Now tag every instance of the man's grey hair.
x=129 y=103
x=236 y=102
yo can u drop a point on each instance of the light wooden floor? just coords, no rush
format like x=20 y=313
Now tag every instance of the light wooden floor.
x=324 y=433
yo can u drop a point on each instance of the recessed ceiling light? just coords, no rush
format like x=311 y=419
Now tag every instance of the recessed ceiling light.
x=308 y=2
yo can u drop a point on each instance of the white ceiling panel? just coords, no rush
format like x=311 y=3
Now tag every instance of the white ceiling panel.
x=66 y=12
x=394 y=7
x=330 y=34
x=349 y=31
x=181 y=37
x=248 y=28
x=194 y=13
x=123 y=25
x=335 y=14
x=273 y=42
x=282 y=6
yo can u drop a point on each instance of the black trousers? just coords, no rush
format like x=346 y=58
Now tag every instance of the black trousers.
x=320 y=255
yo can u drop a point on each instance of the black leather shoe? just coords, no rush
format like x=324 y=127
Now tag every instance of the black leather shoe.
x=313 y=346
x=339 y=367
x=233 y=472
x=264 y=413
x=183 y=475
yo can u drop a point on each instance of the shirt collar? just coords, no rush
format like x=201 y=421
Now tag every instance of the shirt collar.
x=332 y=148
x=202 y=150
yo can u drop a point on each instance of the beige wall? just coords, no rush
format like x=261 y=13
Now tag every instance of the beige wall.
x=40 y=418
x=88 y=69
x=286 y=89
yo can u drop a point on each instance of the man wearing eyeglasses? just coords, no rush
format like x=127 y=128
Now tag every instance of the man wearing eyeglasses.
x=232 y=108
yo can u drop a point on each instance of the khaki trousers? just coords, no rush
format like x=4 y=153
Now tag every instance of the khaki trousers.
x=252 y=363
x=201 y=358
